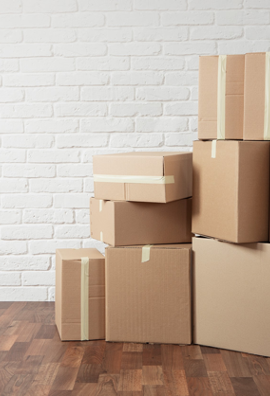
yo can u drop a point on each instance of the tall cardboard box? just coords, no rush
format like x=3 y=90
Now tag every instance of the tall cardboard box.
x=134 y=223
x=143 y=177
x=257 y=97
x=80 y=294
x=148 y=294
x=221 y=97
x=232 y=295
x=231 y=190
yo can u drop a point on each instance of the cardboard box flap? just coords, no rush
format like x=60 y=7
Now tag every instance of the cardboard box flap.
x=77 y=254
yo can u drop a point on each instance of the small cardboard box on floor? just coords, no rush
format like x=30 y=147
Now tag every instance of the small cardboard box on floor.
x=257 y=96
x=133 y=223
x=80 y=294
x=221 y=97
x=148 y=294
x=231 y=190
x=232 y=295
x=143 y=177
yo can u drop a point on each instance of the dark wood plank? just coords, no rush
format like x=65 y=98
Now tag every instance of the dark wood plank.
x=132 y=347
x=89 y=373
x=81 y=389
x=113 y=358
x=94 y=352
x=192 y=352
x=199 y=386
x=208 y=350
x=172 y=358
x=175 y=382
x=195 y=368
x=244 y=387
x=214 y=362
x=263 y=384
x=131 y=360
x=7 y=370
x=17 y=352
x=108 y=384
x=46 y=332
x=154 y=390
x=236 y=365
x=152 y=355
x=257 y=365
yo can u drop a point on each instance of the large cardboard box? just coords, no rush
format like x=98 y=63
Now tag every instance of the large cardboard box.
x=148 y=294
x=231 y=190
x=143 y=177
x=257 y=97
x=221 y=97
x=232 y=295
x=80 y=294
x=131 y=223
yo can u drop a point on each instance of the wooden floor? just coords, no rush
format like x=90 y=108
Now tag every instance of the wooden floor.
x=33 y=361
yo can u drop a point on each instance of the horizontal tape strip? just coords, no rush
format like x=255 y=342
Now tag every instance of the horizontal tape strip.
x=134 y=179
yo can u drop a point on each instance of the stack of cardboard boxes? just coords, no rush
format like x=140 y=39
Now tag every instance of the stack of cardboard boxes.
x=231 y=204
x=142 y=209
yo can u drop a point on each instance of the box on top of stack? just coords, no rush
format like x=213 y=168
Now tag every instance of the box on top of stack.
x=143 y=176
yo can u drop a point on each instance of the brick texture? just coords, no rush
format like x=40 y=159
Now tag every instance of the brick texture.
x=84 y=77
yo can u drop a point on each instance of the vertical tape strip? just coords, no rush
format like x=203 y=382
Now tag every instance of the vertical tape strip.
x=213 y=148
x=266 y=132
x=146 y=253
x=101 y=236
x=100 y=205
x=222 y=64
x=84 y=298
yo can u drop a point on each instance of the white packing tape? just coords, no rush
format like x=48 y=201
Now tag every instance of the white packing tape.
x=100 y=205
x=146 y=253
x=134 y=179
x=213 y=149
x=101 y=236
x=221 y=91
x=84 y=298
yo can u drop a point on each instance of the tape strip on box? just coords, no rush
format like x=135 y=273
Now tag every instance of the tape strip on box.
x=134 y=179
x=84 y=298
x=146 y=253
x=221 y=91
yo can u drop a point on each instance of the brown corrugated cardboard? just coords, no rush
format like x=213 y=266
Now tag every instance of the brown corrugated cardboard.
x=232 y=295
x=148 y=294
x=254 y=103
x=209 y=94
x=120 y=223
x=68 y=293
x=231 y=191
x=143 y=177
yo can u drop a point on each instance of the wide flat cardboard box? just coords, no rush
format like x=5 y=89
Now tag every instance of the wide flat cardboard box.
x=148 y=294
x=143 y=177
x=68 y=299
x=231 y=190
x=210 y=94
x=232 y=295
x=120 y=223
x=255 y=103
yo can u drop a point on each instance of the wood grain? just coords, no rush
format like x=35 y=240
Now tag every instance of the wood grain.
x=34 y=362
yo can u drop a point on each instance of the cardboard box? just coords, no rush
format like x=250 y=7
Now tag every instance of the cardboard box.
x=121 y=223
x=256 y=103
x=232 y=295
x=231 y=190
x=80 y=294
x=221 y=97
x=148 y=294
x=143 y=177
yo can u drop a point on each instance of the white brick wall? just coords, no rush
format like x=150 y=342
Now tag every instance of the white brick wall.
x=84 y=77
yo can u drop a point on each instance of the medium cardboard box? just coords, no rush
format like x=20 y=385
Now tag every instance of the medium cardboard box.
x=143 y=177
x=80 y=294
x=232 y=295
x=221 y=97
x=231 y=190
x=257 y=97
x=133 y=223
x=148 y=294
